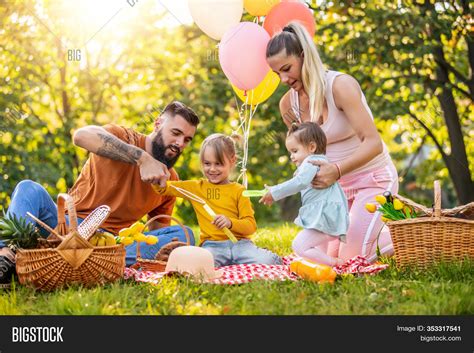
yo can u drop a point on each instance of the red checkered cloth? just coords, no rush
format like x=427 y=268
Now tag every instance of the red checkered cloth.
x=359 y=265
x=239 y=274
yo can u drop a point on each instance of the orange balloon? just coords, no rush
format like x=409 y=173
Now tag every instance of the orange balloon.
x=285 y=12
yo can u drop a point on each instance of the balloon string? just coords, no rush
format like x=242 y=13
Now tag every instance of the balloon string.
x=246 y=114
x=243 y=114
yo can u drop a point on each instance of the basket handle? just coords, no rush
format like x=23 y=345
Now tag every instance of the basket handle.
x=188 y=240
x=67 y=200
x=437 y=198
x=45 y=226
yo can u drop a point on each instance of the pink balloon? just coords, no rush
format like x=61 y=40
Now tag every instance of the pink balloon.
x=242 y=55
x=285 y=12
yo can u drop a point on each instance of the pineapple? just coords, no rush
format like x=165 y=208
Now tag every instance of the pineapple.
x=17 y=233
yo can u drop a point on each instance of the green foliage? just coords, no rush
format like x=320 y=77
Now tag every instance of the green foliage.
x=398 y=51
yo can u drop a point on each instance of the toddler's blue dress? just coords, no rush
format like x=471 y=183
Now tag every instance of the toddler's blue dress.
x=325 y=210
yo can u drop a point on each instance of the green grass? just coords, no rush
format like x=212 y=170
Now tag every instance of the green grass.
x=441 y=290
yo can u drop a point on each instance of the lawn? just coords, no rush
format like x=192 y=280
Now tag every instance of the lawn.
x=440 y=290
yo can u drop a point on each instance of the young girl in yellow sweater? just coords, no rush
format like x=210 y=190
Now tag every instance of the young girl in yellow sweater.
x=234 y=212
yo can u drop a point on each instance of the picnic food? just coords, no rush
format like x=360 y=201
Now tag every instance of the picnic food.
x=312 y=271
x=102 y=239
x=17 y=233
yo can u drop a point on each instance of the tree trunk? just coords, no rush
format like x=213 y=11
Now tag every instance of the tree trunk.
x=457 y=161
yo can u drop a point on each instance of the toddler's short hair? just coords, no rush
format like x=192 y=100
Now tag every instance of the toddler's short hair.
x=308 y=132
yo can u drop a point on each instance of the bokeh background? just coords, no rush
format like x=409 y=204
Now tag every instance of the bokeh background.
x=66 y=64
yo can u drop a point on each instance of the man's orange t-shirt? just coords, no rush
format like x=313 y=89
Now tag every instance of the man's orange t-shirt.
x=118 y=185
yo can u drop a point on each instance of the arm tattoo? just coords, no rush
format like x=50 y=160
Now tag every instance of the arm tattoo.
x=114 y=148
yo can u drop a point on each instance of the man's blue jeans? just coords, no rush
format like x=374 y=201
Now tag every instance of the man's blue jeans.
x=29 y=196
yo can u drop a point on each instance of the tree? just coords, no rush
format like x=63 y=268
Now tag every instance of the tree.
x=415 y=62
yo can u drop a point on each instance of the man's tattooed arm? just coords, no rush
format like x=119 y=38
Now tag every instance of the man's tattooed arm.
x=96 y=139
x=114 y=148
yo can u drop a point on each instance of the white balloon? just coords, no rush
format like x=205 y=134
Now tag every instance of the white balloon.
x=215 y=17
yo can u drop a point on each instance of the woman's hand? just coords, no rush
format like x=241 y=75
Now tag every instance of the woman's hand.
x=221 y=221
x=267 y=199
x=327 y=175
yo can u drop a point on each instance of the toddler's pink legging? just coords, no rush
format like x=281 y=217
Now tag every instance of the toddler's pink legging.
x=312 y=245
x=364 y=226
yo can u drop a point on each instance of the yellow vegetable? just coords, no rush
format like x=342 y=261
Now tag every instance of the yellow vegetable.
x=397 y=204
x=93 y=241
x=380 y=199
x=101 y=242
x=109 y=239
x=370 y=207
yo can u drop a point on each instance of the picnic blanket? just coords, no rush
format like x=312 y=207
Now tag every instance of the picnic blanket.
x=239 y=274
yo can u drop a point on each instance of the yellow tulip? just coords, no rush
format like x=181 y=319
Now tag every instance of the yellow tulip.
x=139 y=237
x=385 y=219
x=151 y=240
x=125 y=232
x=126 y=241
x=137 y=227
x=370 y=207
x=380 y=199
x=397 y=204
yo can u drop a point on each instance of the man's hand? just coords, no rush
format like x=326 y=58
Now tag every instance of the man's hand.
x=153 y=171
x=267 y=199
x=326 y=176
x=221 y=221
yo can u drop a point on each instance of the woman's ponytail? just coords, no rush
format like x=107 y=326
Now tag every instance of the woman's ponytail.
x=296 y=40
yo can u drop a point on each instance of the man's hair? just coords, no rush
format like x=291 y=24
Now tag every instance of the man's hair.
x=178 y=108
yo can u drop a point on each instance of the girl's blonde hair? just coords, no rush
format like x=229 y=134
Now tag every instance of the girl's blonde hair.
x=296 y=40
x=223 y=147
x=308 y=132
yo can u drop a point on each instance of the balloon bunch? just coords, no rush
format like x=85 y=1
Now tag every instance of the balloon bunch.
x=242 y=48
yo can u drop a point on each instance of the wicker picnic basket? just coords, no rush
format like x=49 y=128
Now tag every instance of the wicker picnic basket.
x=74 y=260
x=437 y=235
x=159 y=263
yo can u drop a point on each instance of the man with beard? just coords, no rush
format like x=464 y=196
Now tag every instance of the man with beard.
x=121 y=167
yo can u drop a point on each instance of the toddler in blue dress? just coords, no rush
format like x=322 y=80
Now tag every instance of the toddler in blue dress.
x=324 y=213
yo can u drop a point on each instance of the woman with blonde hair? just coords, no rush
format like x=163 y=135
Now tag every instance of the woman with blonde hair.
x=358 y=158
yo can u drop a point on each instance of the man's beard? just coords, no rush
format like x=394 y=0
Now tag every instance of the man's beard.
x=158 y=150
